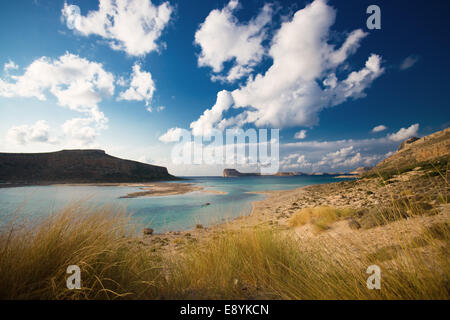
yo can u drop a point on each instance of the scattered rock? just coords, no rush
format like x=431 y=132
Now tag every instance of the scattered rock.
x=148 y=231
x=406 y=142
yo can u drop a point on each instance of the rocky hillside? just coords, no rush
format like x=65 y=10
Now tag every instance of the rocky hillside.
x=360 y=170
x=432 y=150
x=235 y=173
x=290 y=173
x=75 y=166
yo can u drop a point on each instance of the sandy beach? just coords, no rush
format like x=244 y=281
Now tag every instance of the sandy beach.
x=279 y=206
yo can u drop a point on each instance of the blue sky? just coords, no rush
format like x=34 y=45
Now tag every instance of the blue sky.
x=74 y=75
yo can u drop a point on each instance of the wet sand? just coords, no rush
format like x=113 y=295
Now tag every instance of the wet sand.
x=168 y=189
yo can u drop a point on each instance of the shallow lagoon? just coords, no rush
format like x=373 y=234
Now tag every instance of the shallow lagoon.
x=163 y=213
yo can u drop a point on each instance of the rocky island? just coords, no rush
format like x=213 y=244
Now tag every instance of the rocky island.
x=235 y=173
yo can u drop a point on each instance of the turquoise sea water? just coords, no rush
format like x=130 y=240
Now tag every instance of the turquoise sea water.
x=164 y=213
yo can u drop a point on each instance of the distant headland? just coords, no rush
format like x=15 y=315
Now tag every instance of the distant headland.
x=227 y=173
x=75 y=166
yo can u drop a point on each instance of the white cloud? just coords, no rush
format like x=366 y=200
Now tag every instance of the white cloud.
x=133 y=26
x=24 y=134
x=204 y=125
x=409 y=62
x=77 y=84
x=141 y=87
x=294 y=161
x=79 y=132
x=10 y=65
x=316 y=156
x=320 y=160
x=379 y=128
x=300 y=135
x=172 y=135
x=122 y=82
x=288 y=94
x=347 y=154
x=404 y=133
x=346 y=158
x=336 y=159
x=223 y=38
x=39 y=132
x=160 y=108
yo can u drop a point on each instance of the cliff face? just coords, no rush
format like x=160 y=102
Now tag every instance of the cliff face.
x=75 y=166
x=412 y=152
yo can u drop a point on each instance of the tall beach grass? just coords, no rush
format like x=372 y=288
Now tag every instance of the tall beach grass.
x=252 y=263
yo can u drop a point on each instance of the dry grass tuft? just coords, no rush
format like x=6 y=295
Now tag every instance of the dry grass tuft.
x=319 y=217
x=258 y=263
x=34 y=257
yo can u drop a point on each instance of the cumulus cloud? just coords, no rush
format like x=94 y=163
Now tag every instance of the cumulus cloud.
x=172 y=135
x=133 y=26
x=345 y=158
x=404 y=133
x=289 y=93
x=294 y=161
x=141 y=87
x=204 y=125
x=300 y=135
x=340 y=158
x=379 y=128
x=223 y=38
x=24 y=134
x=409 y=62
x=345 y=154
x=80 y=132
x=77 y=84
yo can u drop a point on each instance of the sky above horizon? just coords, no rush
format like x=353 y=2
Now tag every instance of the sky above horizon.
x=126 y=75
